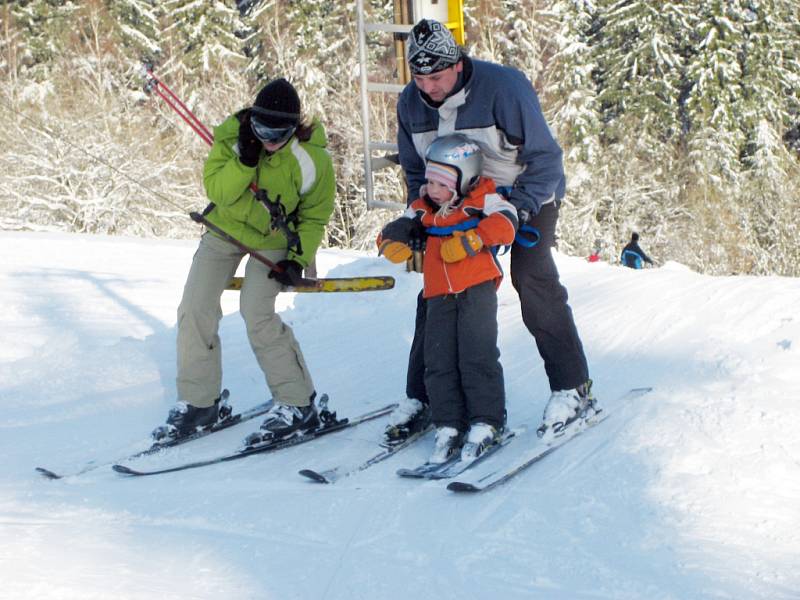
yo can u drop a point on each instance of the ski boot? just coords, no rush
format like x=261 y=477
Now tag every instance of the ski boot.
x=448 y=444
x=567 y=406
x=411 y=416
x=479 y=438
x=185 y=419
x=284 y=421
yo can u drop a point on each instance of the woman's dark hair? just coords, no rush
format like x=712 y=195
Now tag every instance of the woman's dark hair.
x=304 y=130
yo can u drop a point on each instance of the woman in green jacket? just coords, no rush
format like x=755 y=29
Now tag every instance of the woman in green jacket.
x=271 y=145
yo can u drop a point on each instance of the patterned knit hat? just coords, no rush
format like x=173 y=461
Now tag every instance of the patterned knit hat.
x=431 y=48
x=444 y=174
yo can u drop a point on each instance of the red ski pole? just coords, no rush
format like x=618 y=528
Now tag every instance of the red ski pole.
x=175 y=103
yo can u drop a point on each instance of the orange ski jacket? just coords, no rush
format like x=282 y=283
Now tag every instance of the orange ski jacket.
x=495 y=222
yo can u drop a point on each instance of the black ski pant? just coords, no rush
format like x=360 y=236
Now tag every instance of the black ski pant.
x=463 y=375
x=545 y=312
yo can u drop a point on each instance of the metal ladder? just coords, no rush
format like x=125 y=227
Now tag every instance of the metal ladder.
x=372 y=164
x=449 y=12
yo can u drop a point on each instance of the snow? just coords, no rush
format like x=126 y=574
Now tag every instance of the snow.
x=692 y=491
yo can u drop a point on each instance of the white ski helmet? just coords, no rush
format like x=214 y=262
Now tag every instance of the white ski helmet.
x=459 y=152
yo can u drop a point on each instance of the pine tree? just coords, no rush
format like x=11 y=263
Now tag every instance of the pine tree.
x=139 y=28
x=205 y=35
x=572 y=94
x=713 y=93
x=639 y=55
x=43 y=24
x=770 y=64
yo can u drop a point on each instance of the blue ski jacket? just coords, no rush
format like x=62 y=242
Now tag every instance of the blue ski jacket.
x=497 y=108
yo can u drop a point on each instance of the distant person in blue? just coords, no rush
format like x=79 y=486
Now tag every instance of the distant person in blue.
x=632 y=255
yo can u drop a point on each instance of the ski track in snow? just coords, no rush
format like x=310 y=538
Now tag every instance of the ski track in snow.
x=689 y=492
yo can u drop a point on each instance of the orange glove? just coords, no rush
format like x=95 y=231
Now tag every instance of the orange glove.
x=461 y=245
x=396 y=252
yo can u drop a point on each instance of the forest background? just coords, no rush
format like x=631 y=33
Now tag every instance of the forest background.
x=679 y=119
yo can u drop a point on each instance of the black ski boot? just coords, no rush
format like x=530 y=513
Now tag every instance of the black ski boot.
x=185 y=419
x=284 y=421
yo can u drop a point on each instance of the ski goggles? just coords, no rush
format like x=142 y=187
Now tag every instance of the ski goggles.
x=271 y=135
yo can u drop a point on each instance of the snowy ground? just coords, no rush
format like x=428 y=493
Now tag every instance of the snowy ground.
x=691 y=492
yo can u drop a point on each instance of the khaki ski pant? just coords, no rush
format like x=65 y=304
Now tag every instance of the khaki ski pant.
x=199 y=379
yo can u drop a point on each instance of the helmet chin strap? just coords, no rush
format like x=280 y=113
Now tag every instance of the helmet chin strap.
x=445 y=208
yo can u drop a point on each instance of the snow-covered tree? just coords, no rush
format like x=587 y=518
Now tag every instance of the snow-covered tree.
x=43 y=24
x=205 y=35
x=139 y=26
x=638 y=51
x=572 y=93
x=770 y=59
x=713 y=93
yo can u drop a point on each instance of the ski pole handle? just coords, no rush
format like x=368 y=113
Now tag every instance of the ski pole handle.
x=174 y=102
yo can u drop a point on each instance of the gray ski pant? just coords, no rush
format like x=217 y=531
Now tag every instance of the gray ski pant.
x=199 y=348
x=463 y=375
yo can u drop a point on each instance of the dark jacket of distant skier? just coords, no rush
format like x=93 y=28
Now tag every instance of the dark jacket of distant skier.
x=633 y=256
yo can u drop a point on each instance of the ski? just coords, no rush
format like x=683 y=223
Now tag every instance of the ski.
x=454 y=466
x=235 y=419
x=333 y=284
x=330 y=427
x=499 y=474
x=335 y=474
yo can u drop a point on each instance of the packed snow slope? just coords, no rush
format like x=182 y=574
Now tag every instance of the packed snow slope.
x=690 y=492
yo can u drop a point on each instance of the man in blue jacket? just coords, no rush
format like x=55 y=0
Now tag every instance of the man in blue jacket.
x=497 y=107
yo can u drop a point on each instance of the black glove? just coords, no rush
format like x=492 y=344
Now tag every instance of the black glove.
x=249 y=146
x=291 y=274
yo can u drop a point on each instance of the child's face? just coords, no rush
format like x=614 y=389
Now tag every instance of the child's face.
x=438 y=192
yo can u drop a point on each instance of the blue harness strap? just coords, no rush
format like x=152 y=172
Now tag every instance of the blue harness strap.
x=463 y=226
x=531 y=239
x=444 y=231
x=527 y=236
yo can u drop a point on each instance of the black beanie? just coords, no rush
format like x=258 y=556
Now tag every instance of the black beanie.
x=277 y=104
x=634 y=237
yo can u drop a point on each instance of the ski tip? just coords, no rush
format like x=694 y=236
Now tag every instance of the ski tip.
x=313 y=476
x=460 y=486
x=411 y=473
x=47 y=473
x=124 y=470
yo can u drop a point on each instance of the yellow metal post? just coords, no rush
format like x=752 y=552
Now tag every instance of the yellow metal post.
x=455 y=20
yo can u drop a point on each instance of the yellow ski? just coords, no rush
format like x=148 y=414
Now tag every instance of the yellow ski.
x=333 y=284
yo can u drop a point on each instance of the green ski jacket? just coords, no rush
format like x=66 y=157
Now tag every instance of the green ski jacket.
x=300 y=174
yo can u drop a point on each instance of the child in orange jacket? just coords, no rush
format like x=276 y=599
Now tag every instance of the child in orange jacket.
x=461 y=218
